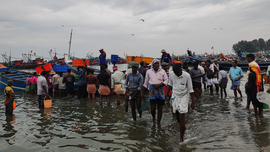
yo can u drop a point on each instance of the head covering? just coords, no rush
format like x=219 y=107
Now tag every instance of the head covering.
x=9 y=82
x=115 y=68
x=177 y=62
x=155 y=61
x=135 y=64
x=255 y=67
x=164 y=64
x=52 y=72
x=163 y=51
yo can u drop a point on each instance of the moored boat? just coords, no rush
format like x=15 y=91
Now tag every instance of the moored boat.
x=18 y=78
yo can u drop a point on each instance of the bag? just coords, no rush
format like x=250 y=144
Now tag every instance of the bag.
x=47 y=102
x=144 y=104
x=123 y=85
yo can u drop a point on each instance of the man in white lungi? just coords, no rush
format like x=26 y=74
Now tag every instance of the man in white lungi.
x=181 y=85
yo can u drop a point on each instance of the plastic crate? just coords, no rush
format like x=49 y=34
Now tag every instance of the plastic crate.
x=60 y=68
x=114 y=58
x=46 y=67
x=80 y=62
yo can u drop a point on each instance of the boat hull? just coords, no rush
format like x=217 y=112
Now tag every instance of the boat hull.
x=228 y=65
x=17 y=77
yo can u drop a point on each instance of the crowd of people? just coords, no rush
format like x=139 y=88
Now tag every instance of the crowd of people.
x=153 y=81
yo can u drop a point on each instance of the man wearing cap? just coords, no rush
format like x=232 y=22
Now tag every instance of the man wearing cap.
x=155 y=79
x=165 y=57
x=165 y=67
x=133 y=85
x=116 y=82
x=42 y=88
x=9 y=98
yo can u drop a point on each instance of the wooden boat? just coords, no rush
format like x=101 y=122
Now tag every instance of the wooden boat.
x=18 y=78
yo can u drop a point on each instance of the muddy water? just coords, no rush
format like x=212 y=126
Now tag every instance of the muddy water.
x=83 y=125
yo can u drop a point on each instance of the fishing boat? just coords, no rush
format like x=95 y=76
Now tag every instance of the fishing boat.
x=227 y=62
x=18 y=78
x=22 y=63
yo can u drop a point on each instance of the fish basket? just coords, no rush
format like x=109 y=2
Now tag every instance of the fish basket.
x=47 y=102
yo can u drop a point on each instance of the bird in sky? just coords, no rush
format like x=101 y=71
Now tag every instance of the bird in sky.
x=132 y=34
x=62 y=25
x=142 y=20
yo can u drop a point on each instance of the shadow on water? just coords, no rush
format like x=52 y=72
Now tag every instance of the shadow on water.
x=83 y=125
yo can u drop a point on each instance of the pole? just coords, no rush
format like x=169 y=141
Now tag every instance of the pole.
x=70 y=42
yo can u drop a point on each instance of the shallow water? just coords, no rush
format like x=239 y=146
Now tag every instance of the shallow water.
x=83 y=125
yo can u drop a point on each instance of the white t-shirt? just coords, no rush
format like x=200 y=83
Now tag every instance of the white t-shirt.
x=202 y=69
x=180 y=85
x=41 y=81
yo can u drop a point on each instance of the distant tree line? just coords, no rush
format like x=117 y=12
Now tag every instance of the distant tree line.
x=252 y=46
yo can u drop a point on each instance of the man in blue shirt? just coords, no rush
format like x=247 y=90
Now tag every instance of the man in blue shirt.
x=82 y=81
x=235 y=75
x=102 y=57
x=133 y=85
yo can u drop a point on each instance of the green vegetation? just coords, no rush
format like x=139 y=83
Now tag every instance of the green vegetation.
x=252 y=46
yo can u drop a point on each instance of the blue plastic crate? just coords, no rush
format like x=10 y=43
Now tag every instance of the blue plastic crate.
x=60 y=68
x=114 y=58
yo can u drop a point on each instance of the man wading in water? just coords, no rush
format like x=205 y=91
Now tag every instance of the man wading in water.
x=181 y=85
x=133 y=85
x=155 y=79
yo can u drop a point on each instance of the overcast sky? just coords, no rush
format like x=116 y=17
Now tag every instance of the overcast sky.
x=173 y=25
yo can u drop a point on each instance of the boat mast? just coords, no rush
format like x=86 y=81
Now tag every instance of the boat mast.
x=70 y=43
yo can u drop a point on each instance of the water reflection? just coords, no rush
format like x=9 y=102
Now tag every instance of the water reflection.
x=259 y=131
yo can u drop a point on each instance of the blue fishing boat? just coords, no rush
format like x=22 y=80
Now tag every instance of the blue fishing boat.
x=18 y=78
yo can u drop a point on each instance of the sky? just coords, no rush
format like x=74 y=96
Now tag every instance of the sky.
x=118 y=28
